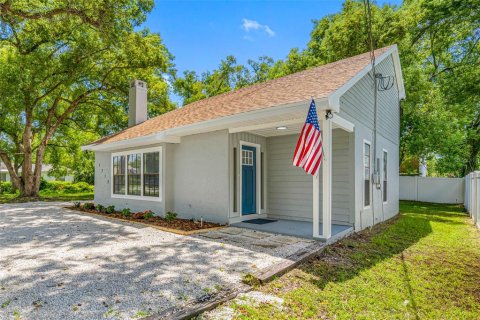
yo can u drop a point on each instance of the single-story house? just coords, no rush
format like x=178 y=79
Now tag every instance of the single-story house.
x=228 y=158
x=5 y=175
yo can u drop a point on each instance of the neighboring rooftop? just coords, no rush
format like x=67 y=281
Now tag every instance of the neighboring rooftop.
x=318 y=82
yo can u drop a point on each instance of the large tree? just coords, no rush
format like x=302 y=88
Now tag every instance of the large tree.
x=64 y=69
x=439 y=43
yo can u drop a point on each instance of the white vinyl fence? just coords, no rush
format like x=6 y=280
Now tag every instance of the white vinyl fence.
x=472 y=196
x=436 y=190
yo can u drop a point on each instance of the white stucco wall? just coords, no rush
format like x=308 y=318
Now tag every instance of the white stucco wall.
x=103 y=187
x=200 y=176
x=195 y=179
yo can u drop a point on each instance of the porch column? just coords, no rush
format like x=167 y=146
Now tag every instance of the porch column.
x=316 y=206
x=326 y=126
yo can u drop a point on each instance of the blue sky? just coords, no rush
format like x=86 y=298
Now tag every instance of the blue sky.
x=201 y=33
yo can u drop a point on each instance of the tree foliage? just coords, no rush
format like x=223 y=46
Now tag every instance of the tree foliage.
x=440 y=54
x=64 y=73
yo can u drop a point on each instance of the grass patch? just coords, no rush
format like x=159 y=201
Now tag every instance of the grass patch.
x=422 y=264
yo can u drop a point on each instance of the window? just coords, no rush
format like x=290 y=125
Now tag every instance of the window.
x=119 y=175
x=367 y=175
x=151 y=174
x=136 y=174
x=247 y=157
x=385 y=175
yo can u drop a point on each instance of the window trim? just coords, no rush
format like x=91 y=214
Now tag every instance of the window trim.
x=384 y=151
x=370 y=174
x=160 y=173
x=257 y=182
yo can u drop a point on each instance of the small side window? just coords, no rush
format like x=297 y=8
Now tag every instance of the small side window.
x=247 y=157
x=385 y=176
x=367 y=175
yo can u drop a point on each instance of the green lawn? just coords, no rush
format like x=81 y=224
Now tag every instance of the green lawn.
x=48 y=195
x=423 y=264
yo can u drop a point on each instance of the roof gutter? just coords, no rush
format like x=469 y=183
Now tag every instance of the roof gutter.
x=156 y=138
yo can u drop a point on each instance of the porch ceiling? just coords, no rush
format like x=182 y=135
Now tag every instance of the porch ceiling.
x=291 y=128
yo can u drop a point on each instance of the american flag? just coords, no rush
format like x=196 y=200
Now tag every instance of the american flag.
x=309 y=152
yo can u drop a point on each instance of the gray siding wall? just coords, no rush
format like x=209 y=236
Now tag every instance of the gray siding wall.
x=357 y=107
x=235 y=139
x=357 y=104
x=290 y=189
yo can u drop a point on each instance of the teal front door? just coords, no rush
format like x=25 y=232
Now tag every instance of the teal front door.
x=249 y=178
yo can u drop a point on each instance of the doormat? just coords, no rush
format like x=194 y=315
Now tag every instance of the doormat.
x=259 y=221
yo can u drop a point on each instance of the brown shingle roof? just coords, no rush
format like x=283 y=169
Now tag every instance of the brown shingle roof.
x=318 y=82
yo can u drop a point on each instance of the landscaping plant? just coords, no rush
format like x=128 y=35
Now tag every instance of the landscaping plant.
x=170 y=216
x=148 y=214
x=89 y=206
x=137 y=215
x=100 y=208
x=126 y=212
x=110 y=209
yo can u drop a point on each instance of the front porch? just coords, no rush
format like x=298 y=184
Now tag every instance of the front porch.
x=320 y=207
x=302 y=229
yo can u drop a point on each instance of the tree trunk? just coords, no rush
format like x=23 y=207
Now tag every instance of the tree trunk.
x=474 y=142
x=472 y=162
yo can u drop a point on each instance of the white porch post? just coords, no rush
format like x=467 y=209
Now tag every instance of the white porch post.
x=326 y=127
x=316 y=206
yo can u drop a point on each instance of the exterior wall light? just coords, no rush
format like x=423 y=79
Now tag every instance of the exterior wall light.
x=282 y=128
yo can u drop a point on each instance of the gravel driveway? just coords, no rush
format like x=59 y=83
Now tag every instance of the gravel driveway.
x=60 y=264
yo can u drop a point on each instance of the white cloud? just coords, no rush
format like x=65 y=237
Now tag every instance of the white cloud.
x=248 y=25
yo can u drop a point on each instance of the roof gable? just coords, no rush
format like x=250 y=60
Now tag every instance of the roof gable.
x=325 y=81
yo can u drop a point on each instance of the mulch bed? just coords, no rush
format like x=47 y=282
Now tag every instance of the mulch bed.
x=176 y=224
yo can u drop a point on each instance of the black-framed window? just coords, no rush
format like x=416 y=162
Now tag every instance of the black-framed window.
x=366 y=178
x=151 y=174
x=137 y=173
x=119 y=174
x=385 y=176
x=134 y=185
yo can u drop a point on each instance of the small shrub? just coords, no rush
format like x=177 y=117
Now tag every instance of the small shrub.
x=148 y=214
x=43 y=183
x=77 y=204
x=6 y=188
x=66 y=187
x=170 y=216
x=100 y=208
x=126 y=212
x=110 y=209
x=89 y=206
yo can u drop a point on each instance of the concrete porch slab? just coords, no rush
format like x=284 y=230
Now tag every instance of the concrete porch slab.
x=302 y=229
